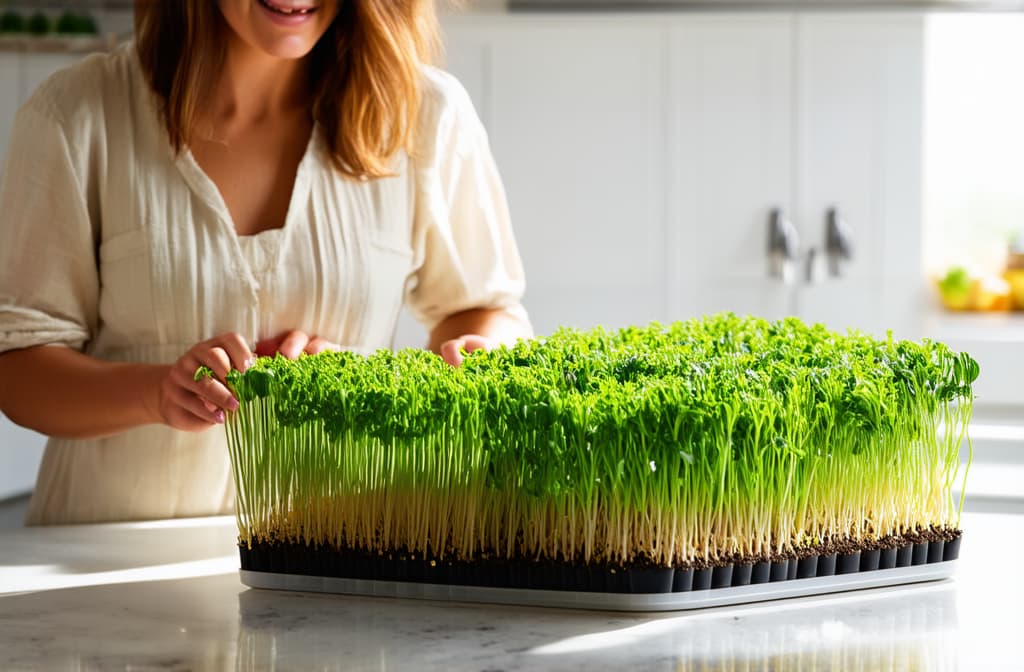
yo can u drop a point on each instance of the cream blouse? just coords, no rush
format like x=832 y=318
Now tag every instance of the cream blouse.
x=112 y=245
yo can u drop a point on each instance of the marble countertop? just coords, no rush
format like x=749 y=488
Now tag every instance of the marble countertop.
x=166 y=596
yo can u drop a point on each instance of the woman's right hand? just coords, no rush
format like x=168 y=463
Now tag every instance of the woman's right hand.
x=194 y=405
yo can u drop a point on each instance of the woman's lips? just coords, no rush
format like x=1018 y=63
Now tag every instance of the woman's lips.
x=289 y=7
x=288 y=14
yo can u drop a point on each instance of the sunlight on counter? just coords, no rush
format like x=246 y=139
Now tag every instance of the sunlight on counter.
x=167 y=596
x=33 y=578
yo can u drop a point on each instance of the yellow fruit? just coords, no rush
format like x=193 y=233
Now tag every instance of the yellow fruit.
x=1015 y=279
x=991 y=294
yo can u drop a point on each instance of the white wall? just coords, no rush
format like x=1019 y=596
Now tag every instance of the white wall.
x=974 y=196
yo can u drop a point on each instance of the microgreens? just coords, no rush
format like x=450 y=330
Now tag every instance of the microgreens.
x=677 y=444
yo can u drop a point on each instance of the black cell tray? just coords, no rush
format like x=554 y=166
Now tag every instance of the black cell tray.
x=302 y=560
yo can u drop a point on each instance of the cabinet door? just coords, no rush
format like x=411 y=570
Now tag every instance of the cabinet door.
x=20 y=74
x=732 y=152
x=10 y=95
x=38 y=66
x=467 y=49
x=576 y=115
x=21 y=450
x=860 y=117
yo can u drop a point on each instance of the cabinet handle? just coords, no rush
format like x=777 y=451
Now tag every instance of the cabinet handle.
x=783 y=246
x=838 y=241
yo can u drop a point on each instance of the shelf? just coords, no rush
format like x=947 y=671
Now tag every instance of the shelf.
x=57 y=45
x=995 y=326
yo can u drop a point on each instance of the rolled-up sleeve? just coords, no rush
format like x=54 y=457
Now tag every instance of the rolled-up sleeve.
x=49 y=283
x=465 y=254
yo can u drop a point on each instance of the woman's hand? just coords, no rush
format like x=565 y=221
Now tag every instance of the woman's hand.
x=475 y=329
x=291 y=344
x=451 y=350
x=194 y=405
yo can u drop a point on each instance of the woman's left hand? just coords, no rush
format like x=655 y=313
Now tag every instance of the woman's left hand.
x=291 y=344
x=451 y=350
x=480 y=328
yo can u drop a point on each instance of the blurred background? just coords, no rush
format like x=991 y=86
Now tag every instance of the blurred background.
x=855 y=163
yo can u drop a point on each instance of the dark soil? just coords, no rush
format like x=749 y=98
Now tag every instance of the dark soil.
x=743 y=559
x=950 y=534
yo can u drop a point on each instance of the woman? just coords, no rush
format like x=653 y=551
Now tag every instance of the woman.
x=250 y=177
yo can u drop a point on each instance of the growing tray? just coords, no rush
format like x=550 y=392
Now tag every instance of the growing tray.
x=630 y=590
x=699 y=599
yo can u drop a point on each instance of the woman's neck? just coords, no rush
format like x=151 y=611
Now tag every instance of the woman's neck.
x=255 y=87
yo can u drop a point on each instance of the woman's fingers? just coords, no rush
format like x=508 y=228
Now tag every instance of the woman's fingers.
x=451 y=351
x=193 y=405
x=474 y=342
x=267 y=347
x=177 y=406
x=293 y=343
x=218 y=361
x=214 y=392
x=179 y=418
x=209 y=389
x=239 y=355
x=317 y=345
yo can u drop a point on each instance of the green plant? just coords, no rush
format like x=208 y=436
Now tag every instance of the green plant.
x=72 y=23
x=672 y=445
x=38 y=24
x=11 y=22
x=956 y=283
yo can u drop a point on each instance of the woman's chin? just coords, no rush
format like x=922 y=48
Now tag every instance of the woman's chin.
x=277 y=34
x=291 y=47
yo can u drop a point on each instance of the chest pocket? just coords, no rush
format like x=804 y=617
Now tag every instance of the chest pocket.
x=126 y=296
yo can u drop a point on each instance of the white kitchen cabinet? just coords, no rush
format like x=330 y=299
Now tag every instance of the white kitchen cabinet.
x=644 y=154
x=10 y=95
x=732 y=160
x=37 y=67
x=806 y=113
x=467 y=56
x=20 y=73
x=859 y=120
x=575 y=109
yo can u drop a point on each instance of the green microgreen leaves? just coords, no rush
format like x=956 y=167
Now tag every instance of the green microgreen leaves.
x=688 y=441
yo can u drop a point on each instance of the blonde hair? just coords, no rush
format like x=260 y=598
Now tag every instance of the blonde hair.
x=365 y=70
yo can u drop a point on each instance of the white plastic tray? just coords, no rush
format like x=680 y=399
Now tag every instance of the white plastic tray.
x=697 y=599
